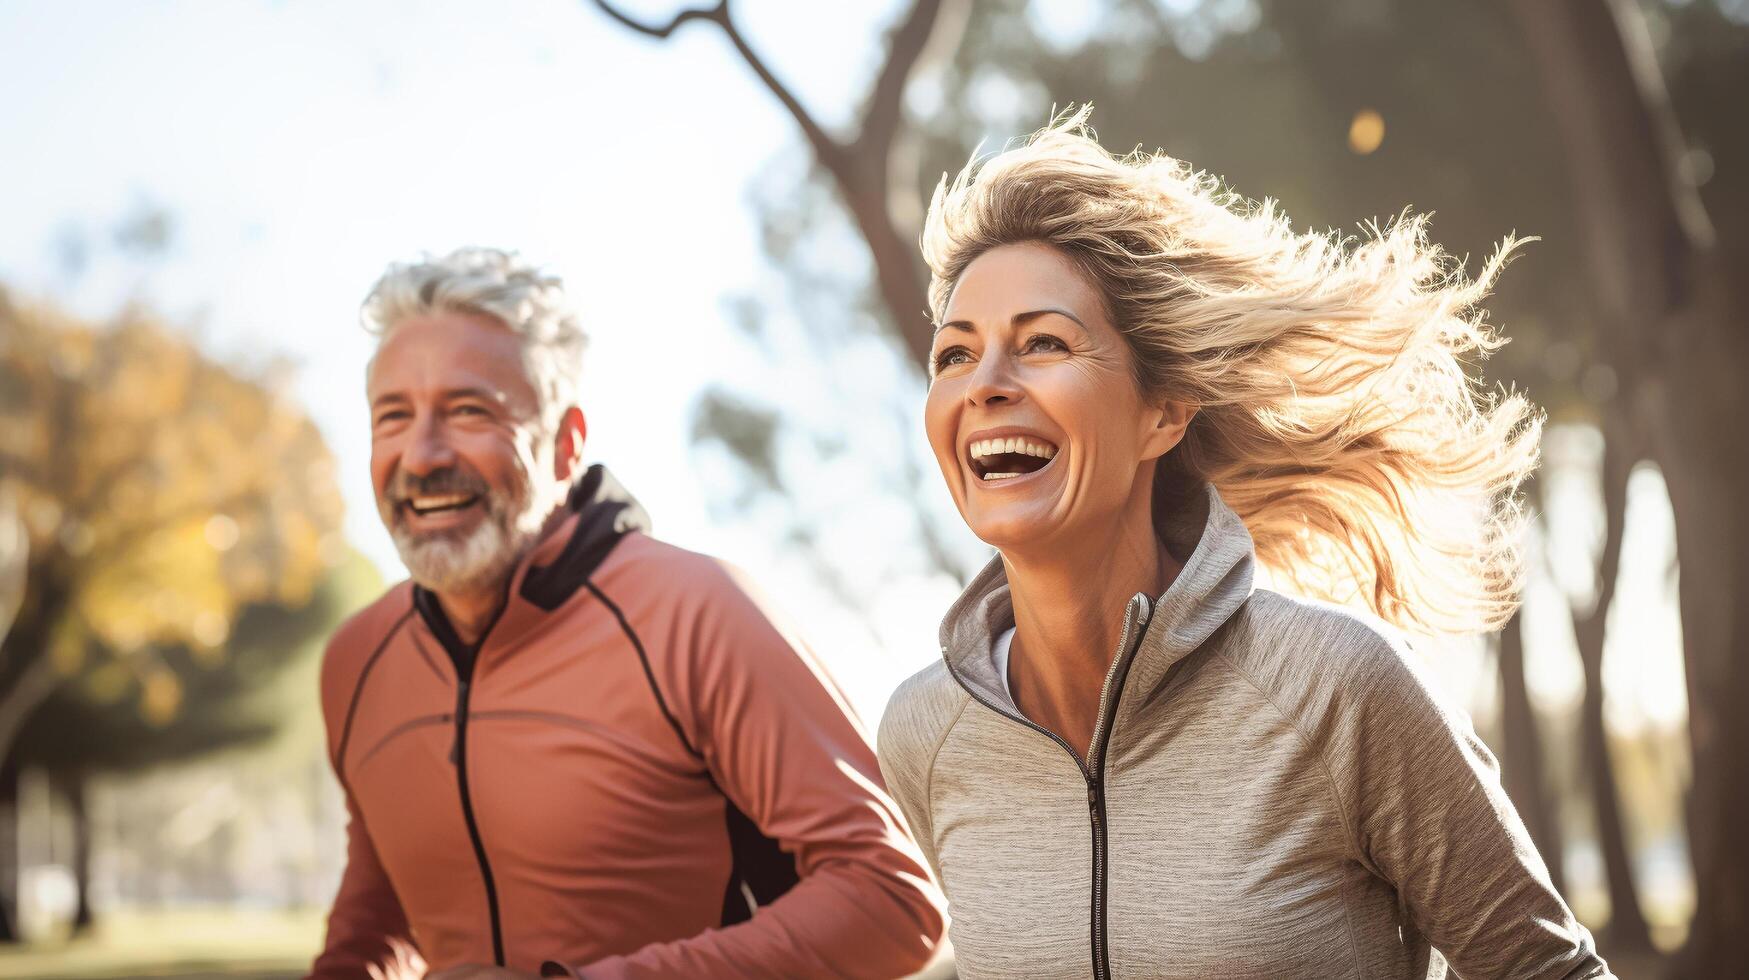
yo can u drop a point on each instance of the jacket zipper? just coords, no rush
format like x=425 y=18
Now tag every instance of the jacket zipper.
x=1093 y=771
x=459 y=756
x=1096 y=789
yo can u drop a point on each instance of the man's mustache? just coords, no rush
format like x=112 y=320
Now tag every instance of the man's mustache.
x=406 y=485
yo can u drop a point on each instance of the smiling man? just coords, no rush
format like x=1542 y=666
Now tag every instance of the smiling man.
x=567 y=748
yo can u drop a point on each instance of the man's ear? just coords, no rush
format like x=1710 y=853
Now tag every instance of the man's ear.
x=568 y=444
x=1169 y=419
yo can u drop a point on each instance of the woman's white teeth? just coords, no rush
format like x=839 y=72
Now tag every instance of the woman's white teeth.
x=1029 y=447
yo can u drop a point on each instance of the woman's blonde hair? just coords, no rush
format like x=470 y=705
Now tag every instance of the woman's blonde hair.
x=1335 y=413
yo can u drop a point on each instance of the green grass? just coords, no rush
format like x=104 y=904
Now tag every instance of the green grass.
x=185 y=944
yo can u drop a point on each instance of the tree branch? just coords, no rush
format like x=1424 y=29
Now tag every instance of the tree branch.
x=885 y=108
x=27 y=693
x=719 y=13
x=830 y=152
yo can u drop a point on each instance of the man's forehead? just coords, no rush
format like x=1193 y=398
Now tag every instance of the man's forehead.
x=444 y=353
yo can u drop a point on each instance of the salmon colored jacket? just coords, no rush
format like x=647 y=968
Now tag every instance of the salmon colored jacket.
x=635 y=773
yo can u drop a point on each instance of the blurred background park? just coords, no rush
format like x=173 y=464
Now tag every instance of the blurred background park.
x=195 y=196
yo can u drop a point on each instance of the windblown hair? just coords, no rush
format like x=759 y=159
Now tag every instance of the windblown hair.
x=501 y=285
x=1335 y=415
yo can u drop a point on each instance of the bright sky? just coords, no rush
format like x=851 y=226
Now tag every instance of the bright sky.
x=301 y=146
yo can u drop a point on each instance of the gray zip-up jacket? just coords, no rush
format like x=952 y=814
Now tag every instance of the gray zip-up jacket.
x=1273 y=791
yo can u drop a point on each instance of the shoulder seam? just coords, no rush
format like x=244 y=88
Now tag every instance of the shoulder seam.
x=934 y=753
x=1349 y=826
x=357 y=690
x=1293 y=721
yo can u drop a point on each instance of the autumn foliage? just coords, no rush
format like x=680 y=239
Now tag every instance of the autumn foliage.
x=152 y=494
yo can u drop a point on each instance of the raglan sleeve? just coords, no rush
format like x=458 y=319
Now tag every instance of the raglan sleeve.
x=1428 y=813
x=906 y=754
x=783 y=744
x=367 y=916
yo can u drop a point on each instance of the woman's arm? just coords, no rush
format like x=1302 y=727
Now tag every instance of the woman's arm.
x=1428 y=814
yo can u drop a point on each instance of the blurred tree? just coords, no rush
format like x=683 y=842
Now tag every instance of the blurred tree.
x=871 y=173
x=1672 y=303
x=242 y=700
x=1523 y=770
x=870 y=169
x=162 y=495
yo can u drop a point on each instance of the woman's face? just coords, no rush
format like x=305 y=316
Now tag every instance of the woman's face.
x=1033 y=411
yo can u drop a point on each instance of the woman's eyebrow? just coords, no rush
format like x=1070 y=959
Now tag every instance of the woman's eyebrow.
x=1017 y=320
x=1021 y=319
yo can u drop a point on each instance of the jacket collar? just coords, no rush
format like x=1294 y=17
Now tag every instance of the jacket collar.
x=1215 y=581
x=598 y=513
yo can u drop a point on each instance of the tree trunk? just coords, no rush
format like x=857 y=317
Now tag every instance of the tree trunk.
x=72 y=786
x=1706 y=480
x=1523 y=769
x=1661 y=285
x=9 y=932
x=1627 y=931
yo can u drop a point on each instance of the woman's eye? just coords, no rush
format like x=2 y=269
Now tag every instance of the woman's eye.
x=952 y=356
x=1044 y=341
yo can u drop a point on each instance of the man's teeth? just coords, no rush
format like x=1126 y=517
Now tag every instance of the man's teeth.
x=423 y=504
x=1029 y=447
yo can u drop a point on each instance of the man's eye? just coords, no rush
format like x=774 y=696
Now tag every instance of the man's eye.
x=469 y=410
x=392 y=416
x=952 y=356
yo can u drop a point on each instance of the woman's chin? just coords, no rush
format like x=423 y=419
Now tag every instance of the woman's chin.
x=1011 y=528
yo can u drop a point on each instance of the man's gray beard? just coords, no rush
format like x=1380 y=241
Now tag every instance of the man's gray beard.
x=487 y=554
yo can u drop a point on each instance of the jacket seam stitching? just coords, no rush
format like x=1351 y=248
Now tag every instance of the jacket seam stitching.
x=399 y=730
x=929 y=773
x=425 y=655
x=357 y=692
x=1348 y=825
x=649 y=670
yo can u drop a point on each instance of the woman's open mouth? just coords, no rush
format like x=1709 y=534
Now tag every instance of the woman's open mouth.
x=996 y=460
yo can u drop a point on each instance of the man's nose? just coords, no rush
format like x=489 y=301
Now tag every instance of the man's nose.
x=429 y=450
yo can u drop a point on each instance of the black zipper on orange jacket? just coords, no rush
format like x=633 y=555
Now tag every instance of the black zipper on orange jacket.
x=464 y=657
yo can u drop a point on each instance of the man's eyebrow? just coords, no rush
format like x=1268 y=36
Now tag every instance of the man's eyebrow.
x=483 y=394
x=392 y=396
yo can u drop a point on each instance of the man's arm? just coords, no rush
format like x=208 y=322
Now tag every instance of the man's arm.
x=780 y=742
x=366 y=913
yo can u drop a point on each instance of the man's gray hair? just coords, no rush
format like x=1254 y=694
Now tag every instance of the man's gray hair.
x=501 y=285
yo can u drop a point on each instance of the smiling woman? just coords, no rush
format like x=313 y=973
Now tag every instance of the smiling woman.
x=1142 y=388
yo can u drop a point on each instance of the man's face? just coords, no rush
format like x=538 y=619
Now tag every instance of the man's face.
x=463 y=471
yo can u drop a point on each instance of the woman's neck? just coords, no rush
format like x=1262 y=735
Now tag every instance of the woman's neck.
x=1068 y=615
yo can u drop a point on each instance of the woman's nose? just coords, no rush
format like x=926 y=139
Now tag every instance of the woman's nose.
x=993 y=382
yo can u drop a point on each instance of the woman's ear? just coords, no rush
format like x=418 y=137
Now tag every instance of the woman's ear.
x=568 y=443
x=1169 y=420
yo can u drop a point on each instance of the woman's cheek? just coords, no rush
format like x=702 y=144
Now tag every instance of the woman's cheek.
x=939 y=428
